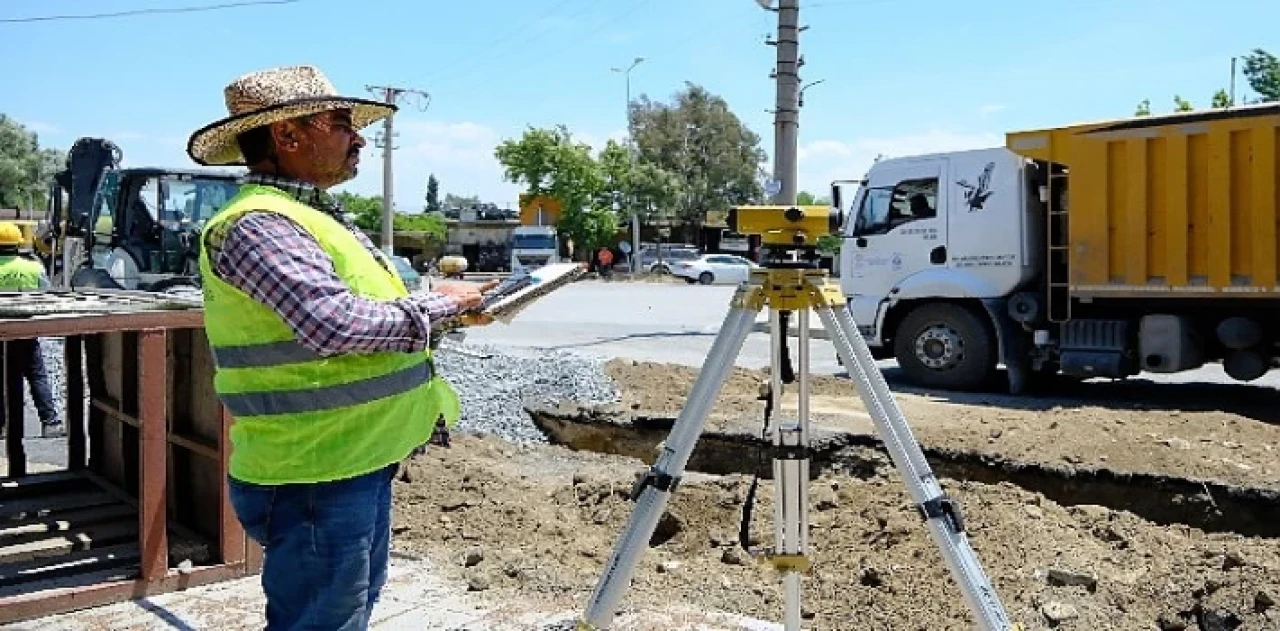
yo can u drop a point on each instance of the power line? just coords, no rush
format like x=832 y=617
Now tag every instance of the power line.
x=133 y=12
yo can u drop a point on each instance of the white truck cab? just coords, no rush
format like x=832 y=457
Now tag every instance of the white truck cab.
x=934 y=246
x=533 y=247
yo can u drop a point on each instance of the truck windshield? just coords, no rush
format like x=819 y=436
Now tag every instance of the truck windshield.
x=194 y=199
x=873 y=214
x=533 y=242
x=883 y=209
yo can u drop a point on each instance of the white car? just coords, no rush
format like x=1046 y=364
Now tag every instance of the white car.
x=724 y=269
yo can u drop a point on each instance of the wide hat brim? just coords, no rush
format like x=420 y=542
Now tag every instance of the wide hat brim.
x=215 y=144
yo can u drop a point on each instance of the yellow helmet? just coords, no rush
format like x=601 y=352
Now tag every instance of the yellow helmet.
x=10 y=234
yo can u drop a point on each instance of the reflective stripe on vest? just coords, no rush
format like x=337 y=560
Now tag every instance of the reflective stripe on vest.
x=331 y=397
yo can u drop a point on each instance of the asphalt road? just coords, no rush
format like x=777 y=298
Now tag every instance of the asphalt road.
x=677 y=323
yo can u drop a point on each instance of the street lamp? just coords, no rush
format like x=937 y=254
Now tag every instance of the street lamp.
x=635 y=216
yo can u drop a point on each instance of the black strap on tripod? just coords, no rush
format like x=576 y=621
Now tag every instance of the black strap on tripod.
x=787 y=372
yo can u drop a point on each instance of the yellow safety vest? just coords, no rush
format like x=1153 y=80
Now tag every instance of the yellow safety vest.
x=299 y=416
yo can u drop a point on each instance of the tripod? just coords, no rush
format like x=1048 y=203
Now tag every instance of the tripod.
x=785 y=288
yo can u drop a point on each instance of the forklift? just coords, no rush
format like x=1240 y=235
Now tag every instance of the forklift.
x=133 y=229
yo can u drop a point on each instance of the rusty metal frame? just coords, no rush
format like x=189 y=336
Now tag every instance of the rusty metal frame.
x=239 y=555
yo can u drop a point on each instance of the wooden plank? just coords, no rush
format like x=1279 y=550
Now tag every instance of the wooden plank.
x=39 y=507
x=77 y=440
x=12 y=418
x=79 y=562
x=37 y=483
x=81 y=539
x=64 y=521
x=153 y=452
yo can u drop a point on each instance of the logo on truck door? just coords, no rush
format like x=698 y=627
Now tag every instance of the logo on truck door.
x=975 y=197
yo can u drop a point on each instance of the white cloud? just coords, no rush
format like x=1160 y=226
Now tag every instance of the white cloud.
x=988 y=110
x=459 y=154
x=824 y=161
x=40 y=127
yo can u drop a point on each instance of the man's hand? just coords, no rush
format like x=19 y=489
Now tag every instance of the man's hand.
x=468 y=294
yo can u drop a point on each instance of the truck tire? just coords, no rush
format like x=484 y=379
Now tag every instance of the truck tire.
x=945 y=346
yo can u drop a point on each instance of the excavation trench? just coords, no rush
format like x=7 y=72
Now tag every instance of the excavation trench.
x=1161 y=499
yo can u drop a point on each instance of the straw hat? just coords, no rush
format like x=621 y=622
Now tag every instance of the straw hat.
x=268 y=96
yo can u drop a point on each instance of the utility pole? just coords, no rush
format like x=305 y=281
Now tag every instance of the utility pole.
x=634 y=254
x=390 y=95
x=786 y=113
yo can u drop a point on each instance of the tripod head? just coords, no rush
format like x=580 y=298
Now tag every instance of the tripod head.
x=788 y=234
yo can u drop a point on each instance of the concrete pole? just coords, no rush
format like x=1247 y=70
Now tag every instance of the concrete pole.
x=631 y=153
x=786 y=116
x=388 y=207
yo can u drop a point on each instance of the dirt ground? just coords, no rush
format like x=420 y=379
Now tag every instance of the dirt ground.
x=531 y=526
x=1148 y=431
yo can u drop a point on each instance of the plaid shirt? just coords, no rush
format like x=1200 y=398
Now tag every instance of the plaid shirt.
x=273 y=260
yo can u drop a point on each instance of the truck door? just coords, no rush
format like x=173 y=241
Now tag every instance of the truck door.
x=894 y=231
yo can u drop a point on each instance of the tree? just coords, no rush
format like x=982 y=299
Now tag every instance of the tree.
x=805 y=198
x=1181 y=105
x=1220 y=99
x=1262 y=70
x=646 y=186
x=368 y=216
x=1143 y=109
x=433 y=194
x=458 y=201
x=26 y=170
x=549 y=162
x=698 y=139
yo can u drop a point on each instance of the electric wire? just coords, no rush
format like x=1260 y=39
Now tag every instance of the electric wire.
x=147 y=11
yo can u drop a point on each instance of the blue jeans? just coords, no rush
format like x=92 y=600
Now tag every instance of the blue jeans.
x=325 y=548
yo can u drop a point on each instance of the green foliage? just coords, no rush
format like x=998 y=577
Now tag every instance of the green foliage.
x=458 y=201
x=1220 y=99
x=550 y=162
x=691 y=156
x=26 y=170
x=433 y=194
x=805 y=198
x=830 y=244
x=1262 y=70
x=696 y=137
x=368 y=216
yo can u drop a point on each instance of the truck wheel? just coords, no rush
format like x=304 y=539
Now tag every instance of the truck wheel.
x=944 y=346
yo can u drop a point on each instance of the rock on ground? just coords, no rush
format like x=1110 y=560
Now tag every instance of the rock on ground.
x=494 y=389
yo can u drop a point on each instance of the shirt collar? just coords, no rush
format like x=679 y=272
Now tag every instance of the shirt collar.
x=301 y=191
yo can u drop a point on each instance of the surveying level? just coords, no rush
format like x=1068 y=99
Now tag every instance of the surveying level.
x=787 y=286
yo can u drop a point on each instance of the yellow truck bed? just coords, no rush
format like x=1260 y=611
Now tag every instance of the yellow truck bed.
x=1181 y=204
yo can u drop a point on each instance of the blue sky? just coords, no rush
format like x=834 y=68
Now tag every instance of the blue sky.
x=900 y=76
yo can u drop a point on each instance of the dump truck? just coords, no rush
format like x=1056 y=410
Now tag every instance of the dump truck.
x=1104 y=249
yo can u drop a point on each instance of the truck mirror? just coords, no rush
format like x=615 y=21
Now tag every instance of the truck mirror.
x=835 y=196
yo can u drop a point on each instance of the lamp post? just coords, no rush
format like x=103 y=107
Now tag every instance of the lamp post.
x=635 y=216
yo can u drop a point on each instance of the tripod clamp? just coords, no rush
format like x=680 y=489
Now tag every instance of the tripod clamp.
x=656 y=479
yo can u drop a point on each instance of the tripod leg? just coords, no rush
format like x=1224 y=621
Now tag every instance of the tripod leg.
x=654 y=490
x=941 y=513
x=791 y=483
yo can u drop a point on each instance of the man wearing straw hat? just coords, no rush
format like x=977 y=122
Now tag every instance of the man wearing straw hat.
x=322 y=357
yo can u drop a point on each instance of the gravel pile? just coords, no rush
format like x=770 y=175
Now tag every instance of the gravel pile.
x=493 y=390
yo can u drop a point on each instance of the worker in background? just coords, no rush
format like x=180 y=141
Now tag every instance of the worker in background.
x=19 y=273
x=321 y=355
x=604 y=259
